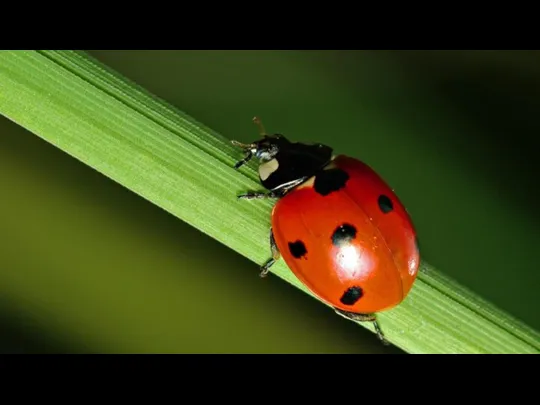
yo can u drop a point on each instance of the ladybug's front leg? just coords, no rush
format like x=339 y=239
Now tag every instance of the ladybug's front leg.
x=265 y=268
x=276 y=193
x=364 y=318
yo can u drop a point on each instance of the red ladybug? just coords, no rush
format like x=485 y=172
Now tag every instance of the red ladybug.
x=339 y=227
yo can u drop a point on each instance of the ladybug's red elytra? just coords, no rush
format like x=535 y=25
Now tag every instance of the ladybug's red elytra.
x=337 y=224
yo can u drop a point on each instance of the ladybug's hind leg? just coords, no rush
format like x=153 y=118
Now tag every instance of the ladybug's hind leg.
x=364 y=318
x=265 y=268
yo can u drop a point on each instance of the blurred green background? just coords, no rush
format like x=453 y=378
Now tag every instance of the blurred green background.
x=87 y=266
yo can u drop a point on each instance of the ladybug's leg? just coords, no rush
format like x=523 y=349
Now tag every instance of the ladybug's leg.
x=277 y=193
x=248 y=148
x=364 y=318
x=265 y=268
x=254 y=195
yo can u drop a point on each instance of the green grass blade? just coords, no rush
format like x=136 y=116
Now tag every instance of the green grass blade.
x=177 y=163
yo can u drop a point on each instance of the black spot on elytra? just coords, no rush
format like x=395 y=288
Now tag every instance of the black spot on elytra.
x=330 y=180
x=351 y=296
x=343 y=235
x=385 y=204
x=297 y=249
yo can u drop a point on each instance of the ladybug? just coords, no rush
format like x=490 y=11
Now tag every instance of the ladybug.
x=337 y=225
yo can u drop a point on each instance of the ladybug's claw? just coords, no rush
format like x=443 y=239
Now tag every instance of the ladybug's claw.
x=380 y=333
x=265 y=268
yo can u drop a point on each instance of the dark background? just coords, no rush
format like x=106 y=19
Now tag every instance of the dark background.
x=454 y=132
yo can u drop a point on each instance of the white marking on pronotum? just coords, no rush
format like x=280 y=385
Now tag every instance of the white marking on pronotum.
x=267 y=168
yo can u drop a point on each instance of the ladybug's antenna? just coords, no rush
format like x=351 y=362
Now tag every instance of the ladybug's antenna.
x=257 y=121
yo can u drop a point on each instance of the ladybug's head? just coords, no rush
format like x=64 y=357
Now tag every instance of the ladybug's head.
x=283 y=163
x=264 y=149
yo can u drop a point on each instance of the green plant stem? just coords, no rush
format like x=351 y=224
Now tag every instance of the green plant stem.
x=167 y=157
